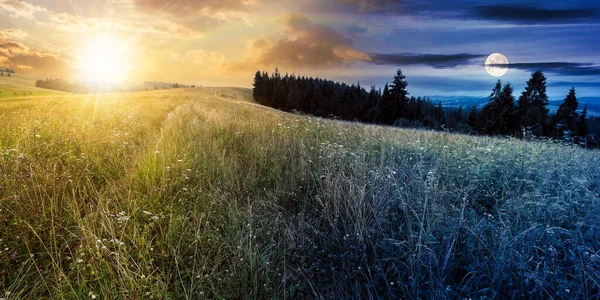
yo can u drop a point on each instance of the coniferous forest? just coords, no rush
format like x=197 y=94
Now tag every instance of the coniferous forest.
x=525 y=117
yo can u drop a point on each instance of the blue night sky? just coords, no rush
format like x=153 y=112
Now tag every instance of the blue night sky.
x=441 y=46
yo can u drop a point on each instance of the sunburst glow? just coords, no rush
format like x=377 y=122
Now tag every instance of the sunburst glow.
x=105 y=60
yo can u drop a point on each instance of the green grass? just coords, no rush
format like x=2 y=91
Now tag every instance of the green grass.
x=18 y=87
x=200 y=193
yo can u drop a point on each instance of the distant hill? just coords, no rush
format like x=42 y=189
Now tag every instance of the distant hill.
x=467 y=101
x=161 y=85
x=456 y=101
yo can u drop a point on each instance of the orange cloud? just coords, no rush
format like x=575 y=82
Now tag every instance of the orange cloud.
x=19 y=56
x=305 y=45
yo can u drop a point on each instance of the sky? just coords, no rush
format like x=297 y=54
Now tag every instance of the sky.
x=440 y=45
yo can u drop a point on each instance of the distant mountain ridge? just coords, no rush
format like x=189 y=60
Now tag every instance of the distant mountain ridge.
x=593 y=103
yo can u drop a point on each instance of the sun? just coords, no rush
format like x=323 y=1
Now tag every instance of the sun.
x=105 y=60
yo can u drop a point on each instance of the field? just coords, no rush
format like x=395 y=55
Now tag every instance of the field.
x=18 y=86
x=200 y=193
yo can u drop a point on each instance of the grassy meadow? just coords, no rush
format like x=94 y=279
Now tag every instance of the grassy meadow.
x=201 y=193
x=18 y=86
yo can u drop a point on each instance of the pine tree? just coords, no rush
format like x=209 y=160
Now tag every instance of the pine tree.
x=488 y=119
x=472 y=118
x=385 y=108
x=582 y=126
x=280 y=93
x=566 y=115
x=399 y=95
x=257 y=91
x=532 y=110
x=505 y=123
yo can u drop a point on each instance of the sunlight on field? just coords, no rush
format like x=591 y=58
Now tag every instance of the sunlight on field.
x=200 y=193
x=17 y=86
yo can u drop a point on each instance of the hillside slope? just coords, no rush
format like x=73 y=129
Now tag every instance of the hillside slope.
x=18 y=86
x=201 y=193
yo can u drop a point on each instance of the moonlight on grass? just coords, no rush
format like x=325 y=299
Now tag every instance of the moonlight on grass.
x=496 y=64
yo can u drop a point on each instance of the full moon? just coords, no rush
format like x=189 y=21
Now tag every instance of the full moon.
x=496 y=64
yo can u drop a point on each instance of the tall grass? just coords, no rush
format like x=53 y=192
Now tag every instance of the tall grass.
x=203 y=194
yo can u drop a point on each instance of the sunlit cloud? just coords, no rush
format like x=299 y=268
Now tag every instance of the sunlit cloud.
x=20 y=9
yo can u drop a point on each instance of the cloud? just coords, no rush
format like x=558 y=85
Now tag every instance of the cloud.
x=374 y=6
x=529 y=14
x=433 y=60
x=203 y=57
x=355 y=29
x=9 y=47
x=496 y=11
x=191 y=7
x=19 y=8
x=561 y=68
x=304 y=45
x=72 y=23
x=41 y=63
x=19 y=56
x=13 y=33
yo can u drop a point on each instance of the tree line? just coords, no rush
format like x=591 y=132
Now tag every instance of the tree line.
x=58 y=84
x=526 y=117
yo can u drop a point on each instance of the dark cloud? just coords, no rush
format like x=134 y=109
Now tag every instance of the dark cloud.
x=529 y=14
x=520 y=12
x=433 y=60
x=560 y=68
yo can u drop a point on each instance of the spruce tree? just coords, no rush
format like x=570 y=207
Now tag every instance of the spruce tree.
x=532 y=110
x=472 y=118
x=257 y=91
x=582 y=126
x=399 y=95
x=505 y=124
x=488 y=119
x=385 y=108
x=567 y=112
